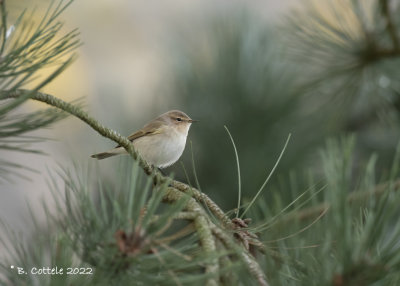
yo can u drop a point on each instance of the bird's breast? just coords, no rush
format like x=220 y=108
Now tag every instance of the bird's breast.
x=161 y=150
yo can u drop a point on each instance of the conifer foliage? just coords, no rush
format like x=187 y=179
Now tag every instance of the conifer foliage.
x=328 y=216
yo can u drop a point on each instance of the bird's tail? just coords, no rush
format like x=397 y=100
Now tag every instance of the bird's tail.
x=109 y=153
x=103 y=155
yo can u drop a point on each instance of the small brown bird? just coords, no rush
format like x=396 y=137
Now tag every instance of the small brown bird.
x=160 y=142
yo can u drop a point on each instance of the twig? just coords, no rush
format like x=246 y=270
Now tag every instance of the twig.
x=244 y=255
x=315 y=211
x=181 y=233
x=203 y=225
x=79 y=113
x=124 y=142
x=201 y=197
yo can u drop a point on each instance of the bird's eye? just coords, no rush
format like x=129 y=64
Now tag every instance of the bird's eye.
x=178 y=119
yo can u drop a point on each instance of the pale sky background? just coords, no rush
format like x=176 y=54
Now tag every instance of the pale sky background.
x=124 y=60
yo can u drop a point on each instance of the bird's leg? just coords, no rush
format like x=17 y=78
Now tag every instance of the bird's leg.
x=164 y=174
x=161 y=171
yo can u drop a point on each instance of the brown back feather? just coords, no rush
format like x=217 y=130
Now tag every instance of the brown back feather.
x=150 y=128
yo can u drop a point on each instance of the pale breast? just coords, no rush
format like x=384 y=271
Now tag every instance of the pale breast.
x=161 y=150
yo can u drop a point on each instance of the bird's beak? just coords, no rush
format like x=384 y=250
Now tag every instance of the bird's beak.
x=191 y=120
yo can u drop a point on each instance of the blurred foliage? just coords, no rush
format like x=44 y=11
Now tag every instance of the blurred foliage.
x=26 y=49
x=327 y=217
x=239 y=81
x=328 y=237
x=124 y=234
x=309 y=76
x=347 y=54
x=117 y=234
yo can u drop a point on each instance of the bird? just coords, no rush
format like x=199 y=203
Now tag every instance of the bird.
x=160 y=142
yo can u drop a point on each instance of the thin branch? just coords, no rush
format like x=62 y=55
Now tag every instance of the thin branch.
x=303 y=229
x=124 y=142
x=181 y=233
x=204 y=227
x=252 y=265
x=353 y=197
x=201 y=197
x=79 y=113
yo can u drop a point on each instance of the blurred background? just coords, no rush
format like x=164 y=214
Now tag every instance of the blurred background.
x=262 y=68
x=132 y=66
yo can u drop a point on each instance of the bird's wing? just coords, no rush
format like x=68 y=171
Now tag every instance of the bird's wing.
x=151 y=128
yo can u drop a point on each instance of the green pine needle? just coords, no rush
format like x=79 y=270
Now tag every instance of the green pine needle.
x=238 y=170
x=269 y=176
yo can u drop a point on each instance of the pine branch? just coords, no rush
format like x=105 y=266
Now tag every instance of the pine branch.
x=201 y=197
x=124 y=142
x=226 y=239
x=245 y=256
x=204 y=227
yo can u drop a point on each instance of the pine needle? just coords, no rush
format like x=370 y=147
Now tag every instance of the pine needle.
x=269 y=176
x=238 y=170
